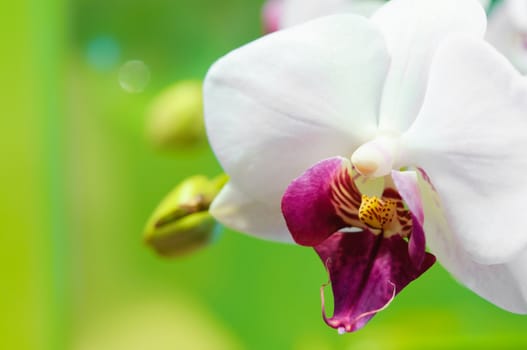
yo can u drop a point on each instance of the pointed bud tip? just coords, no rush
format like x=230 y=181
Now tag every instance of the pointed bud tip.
x=183 y=236
x=182 y=223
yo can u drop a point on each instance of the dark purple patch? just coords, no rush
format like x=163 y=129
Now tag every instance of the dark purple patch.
x=425 y=177
x=366 y=272
x=408 y=190
x=417 y=242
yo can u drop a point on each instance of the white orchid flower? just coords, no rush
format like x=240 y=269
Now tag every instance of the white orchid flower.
x=507 y=31
x=307 y=121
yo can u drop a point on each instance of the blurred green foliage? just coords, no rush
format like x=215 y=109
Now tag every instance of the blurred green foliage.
x=81 y=180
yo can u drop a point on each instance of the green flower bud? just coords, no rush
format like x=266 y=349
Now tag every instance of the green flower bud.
x=175 y=118
x=181 y=223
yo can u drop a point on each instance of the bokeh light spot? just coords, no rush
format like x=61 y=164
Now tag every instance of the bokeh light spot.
x=134 y=76
x=103 y=52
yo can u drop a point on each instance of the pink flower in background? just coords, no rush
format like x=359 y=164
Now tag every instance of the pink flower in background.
x=271 y=15
x=363 y=137
x=507 y=31
x=279 y=14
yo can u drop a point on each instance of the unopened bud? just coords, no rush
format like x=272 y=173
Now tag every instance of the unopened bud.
x=182 y=223
x=175 y=118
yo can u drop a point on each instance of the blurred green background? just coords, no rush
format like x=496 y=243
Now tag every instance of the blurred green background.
x=79 y=180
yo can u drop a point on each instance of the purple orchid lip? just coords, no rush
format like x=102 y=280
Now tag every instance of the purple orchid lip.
x=367 y=269
x=352 y=326
x=366 y=272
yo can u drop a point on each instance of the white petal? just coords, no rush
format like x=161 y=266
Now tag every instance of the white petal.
x=507 y=37
x=275 y=107
x=500 y=30
x=485 y=3
x=300 y=11
x=519 y=273
x=471 y=138
x=366 y=7
x=517 y=11
x=413 y=29
x=407 y=186
x=505 y=285
x=238 y=211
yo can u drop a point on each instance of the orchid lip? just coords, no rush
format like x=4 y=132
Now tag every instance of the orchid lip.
x=367 y=271
x=372 y=247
